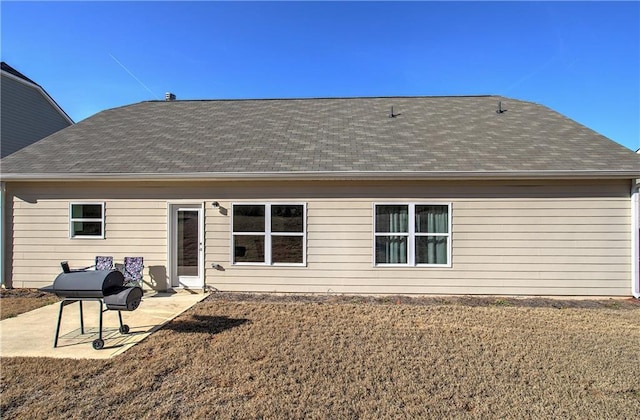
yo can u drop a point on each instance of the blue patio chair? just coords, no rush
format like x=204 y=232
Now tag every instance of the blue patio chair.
x=104 y=263
x=133 y=267
x=100 y=263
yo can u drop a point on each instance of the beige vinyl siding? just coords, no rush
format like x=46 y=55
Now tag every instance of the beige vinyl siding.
x=41 y=236
x=527 y=237
x=557 y=238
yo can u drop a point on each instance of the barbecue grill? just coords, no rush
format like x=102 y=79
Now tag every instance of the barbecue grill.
x=103 y=286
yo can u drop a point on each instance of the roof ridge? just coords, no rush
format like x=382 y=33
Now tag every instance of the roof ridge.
x=315 y=98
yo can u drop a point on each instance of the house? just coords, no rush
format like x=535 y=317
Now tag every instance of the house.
x=384 y=195
x=28 y=112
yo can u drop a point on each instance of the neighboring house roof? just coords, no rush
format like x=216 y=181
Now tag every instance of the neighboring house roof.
x=28 y=112
x=5 y=67
x=332 y=138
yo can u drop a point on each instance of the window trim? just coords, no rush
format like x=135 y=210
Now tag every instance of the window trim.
x=268 y=234
x=72 y=219
x=411 y=234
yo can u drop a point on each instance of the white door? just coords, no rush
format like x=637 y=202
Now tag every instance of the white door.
x=187 y=246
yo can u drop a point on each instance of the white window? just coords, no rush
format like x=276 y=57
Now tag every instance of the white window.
x=86 y=220
x=269 y=234
x=412 y=234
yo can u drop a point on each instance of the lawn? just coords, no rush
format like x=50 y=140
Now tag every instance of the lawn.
x=16 y=301
x=255 y=356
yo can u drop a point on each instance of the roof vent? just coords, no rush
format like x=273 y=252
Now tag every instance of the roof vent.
x=500 y=110
x=169 y=96
x=391 y=114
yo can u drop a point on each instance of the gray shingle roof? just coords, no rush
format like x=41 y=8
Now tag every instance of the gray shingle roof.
x=433 y=136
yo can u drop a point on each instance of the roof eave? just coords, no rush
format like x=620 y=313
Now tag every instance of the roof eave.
x=321 y=175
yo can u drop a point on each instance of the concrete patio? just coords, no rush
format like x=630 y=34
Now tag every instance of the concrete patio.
x=32 y=334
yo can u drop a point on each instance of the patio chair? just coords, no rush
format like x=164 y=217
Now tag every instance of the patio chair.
x=104 y=263
x=133 y=267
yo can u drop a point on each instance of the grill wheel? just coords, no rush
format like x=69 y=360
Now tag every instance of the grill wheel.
x=98 y=344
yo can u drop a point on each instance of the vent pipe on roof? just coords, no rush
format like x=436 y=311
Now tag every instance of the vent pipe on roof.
x=391 y=114
x=169 y=96
x=500 y=110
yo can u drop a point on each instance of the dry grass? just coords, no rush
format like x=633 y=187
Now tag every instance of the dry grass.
x=17 y=301
x=236 y=356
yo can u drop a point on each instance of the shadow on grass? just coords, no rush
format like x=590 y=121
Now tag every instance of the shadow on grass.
x=205 y=324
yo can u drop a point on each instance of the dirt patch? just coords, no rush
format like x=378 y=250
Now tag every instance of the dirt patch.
x=256 y=356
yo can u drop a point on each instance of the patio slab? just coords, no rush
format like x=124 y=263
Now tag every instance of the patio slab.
x=31 y=334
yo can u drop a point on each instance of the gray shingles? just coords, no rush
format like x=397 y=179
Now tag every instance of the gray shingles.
x=434 y=134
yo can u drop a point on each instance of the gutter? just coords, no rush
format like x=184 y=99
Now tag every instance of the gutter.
x=635 y=240
x=321 y=176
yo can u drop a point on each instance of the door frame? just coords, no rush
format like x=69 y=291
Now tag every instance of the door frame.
x=172 y=211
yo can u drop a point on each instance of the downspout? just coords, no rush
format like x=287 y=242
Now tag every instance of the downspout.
x=635 y=239
x=2 y=230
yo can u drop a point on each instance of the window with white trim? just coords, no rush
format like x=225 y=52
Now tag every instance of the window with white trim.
x=86 y=220
x=412 y=234
x=269 y=234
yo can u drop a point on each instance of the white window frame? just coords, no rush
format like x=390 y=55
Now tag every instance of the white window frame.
x=72 y=220
x=268 y=234
x=411 y=235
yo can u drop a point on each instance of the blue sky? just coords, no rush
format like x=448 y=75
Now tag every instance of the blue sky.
x=581 y=59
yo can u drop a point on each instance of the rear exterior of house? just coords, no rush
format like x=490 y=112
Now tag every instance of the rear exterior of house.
x=496 y=230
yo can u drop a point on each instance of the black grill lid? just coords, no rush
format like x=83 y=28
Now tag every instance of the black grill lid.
x=127 y=299
x=88 y=284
